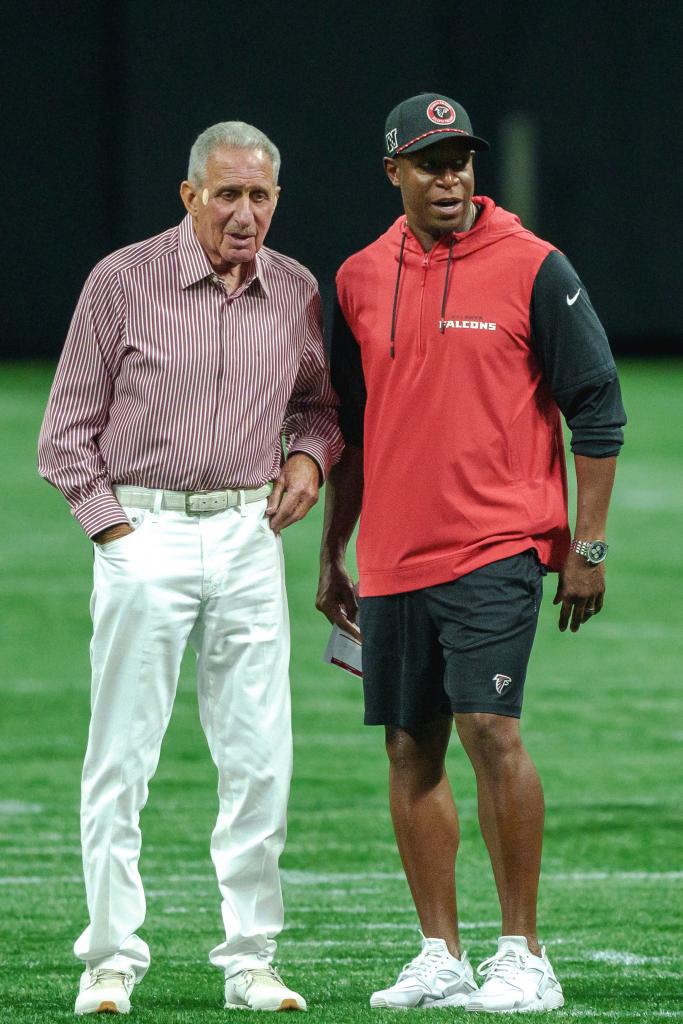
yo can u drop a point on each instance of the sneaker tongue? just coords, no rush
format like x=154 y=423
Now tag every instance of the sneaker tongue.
x=433 y=944
x=513 y=942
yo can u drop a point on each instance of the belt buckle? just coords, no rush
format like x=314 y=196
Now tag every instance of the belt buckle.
x=197 y=502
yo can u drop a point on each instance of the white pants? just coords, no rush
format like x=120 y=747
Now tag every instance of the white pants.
x=217 y=581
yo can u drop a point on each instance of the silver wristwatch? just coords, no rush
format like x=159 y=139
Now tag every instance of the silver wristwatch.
x=594 y=551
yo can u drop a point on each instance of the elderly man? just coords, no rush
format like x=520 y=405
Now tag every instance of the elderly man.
x=189 y=356
x=460 y=339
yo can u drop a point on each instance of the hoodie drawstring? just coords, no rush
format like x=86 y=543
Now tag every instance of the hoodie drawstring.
x=398 y=280
x=392 y=348
x=445 y=287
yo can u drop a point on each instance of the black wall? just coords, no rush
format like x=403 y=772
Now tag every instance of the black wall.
x=105 y=98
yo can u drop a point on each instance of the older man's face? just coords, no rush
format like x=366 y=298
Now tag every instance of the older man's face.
x=233 y=207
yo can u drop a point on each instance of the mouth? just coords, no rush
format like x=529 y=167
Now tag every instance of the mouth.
x=449 y=204
x=237 y=238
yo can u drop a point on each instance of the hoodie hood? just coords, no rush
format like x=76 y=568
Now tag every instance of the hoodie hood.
x=493 y=224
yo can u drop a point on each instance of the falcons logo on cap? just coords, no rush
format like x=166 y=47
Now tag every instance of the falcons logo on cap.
x=502 y=682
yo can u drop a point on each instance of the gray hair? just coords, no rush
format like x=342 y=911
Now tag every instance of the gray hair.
x=234 y=135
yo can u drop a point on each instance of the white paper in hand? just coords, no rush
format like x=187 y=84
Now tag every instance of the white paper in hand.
x=345 y=651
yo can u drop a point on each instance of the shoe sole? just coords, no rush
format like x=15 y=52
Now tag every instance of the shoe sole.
x=426 y=1004
x=286 y=1005
x=107 y=1006
x=551 y=1001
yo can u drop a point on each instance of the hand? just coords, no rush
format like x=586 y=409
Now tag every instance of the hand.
x=580 y=591
x=113 y=533
x=294 y=493
x=337 y=597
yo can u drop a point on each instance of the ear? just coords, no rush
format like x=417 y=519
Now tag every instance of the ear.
x=276 y=196
x=393 y=171
x=190 y=197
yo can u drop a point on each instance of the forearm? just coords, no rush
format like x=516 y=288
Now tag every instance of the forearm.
x=343 y=499
x=594 y=482
x=336 y=597
x=581 y=585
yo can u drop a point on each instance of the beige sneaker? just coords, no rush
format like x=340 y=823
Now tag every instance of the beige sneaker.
x=261 y=988
x=105 y=991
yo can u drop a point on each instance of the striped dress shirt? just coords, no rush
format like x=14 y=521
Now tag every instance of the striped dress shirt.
x=168 y=381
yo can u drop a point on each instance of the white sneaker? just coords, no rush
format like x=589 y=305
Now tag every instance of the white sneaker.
x=261 y=988
x=434 y=978
x=105 y=991
x=516 y=980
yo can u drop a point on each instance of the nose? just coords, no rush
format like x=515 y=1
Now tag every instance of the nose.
x=243 y=212
x=449 y=176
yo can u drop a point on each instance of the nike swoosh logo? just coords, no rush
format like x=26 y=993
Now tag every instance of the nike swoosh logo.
x=570 y=302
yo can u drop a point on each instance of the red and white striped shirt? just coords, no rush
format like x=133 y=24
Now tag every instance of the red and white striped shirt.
x=168 y=381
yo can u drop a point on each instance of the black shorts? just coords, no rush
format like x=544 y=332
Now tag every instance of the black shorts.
x=461 y=646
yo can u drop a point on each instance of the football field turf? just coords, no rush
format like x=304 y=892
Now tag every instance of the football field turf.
x=602 y=720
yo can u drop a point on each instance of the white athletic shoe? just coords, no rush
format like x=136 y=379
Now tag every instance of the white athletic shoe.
x=433 y=979
x=516 y=980
x=105 y=991
x=261 y=988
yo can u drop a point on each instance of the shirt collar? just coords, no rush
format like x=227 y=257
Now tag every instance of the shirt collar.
x=195 y=265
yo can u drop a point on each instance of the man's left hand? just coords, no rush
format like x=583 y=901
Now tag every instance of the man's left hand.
x=580 y=591
x=294 y=493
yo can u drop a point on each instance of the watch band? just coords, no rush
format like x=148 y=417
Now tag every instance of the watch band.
x=594 y=551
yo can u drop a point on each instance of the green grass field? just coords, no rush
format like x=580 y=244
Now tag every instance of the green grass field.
x=602 y=719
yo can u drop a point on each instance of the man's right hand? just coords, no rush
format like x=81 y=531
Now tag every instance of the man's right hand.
x=113 y=533
x=337 y=598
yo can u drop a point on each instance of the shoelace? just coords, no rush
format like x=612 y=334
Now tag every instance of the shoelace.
x=265 y=974
x=503 y=965
x=107 y=974
x=422 y=964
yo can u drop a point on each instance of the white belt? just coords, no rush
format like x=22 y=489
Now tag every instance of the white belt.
x=191 y=502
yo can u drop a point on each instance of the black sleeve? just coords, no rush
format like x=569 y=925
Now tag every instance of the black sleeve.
x=575 y=358
x=347 y=378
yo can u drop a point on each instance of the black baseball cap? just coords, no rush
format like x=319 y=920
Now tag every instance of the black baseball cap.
x=425 y=119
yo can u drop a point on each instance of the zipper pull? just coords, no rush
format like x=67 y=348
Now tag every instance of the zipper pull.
x=425 y=268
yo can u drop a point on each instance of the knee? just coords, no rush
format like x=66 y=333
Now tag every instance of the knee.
x=489 y=739
x=415 y=758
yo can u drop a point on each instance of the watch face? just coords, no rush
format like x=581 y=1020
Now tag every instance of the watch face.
x=597 y=551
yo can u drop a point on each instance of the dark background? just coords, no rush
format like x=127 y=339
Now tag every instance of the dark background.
x=105 y=97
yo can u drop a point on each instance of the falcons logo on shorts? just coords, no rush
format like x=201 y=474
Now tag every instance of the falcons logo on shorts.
x=502 y=682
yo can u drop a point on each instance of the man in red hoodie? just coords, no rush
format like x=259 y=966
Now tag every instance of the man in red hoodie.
x=459 y=340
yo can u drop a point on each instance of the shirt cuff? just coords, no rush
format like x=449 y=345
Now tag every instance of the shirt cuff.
x=324 y=453
x=99 y=512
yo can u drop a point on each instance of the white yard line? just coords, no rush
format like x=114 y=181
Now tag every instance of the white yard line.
x=622 y=957
x=50 y=880
x=614 y=876
x=40 y=851
x=333 y=926
x=339 y=877
x=621 y=1015
x=10 y=807
x=354 y=880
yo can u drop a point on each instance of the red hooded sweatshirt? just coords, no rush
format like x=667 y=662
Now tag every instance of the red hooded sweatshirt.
x=463 y=448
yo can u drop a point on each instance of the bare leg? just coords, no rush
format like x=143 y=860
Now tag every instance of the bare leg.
x=426 y=824
x=511 y=813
